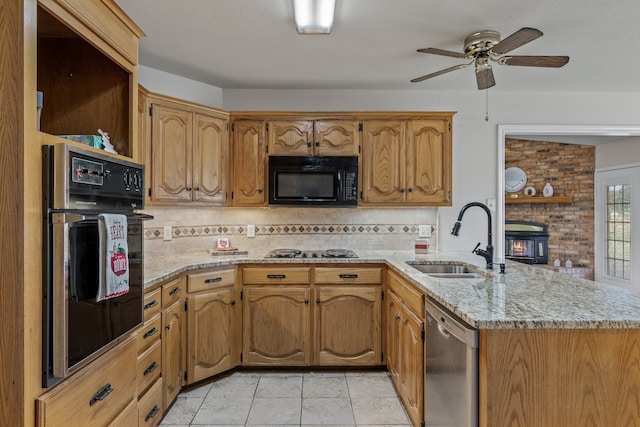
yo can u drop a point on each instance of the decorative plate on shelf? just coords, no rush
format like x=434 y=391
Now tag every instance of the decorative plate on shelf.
x=514 y=179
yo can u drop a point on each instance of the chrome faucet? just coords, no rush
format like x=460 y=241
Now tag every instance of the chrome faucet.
x=486 y=253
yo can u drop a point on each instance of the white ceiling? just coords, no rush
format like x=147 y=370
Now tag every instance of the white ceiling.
x=254 y=44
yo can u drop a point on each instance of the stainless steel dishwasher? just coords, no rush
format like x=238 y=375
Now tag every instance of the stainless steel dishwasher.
x=451 y=387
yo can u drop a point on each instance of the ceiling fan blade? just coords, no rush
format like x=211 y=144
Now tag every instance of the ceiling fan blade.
x=484 y=77
x=517 y=39
x=437 y=73
x=436 y=51
x=535 y=61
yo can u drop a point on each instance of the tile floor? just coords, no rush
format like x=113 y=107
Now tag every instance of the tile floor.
x=284 y=398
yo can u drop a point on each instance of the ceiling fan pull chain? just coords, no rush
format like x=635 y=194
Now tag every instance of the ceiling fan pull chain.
x=486 y=110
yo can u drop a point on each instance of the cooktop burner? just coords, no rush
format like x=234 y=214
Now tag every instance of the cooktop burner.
x=298 y=253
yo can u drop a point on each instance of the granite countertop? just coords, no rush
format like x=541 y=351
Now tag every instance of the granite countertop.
x=526 y=297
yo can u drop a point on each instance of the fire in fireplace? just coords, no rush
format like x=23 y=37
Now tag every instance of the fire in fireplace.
x=526 y=242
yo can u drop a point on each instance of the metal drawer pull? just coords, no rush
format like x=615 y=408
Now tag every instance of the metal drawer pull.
x=397 y=317
x=174 y=291
x=152 y=413
x=151 y=304
x=150 y=368
x=101 y=394
x=213 y=280
x=348 y=276
x=276 y=276
x=150 y=332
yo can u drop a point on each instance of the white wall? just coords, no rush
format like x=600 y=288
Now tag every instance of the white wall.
x=622 y=152
x=475 y=143
x=179 y=87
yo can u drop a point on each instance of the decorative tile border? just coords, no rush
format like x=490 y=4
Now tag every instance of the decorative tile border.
x=284 y=229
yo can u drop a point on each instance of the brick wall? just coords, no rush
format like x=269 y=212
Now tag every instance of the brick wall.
x=570 y=170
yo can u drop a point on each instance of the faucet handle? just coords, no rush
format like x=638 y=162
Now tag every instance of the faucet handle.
x=476 y=248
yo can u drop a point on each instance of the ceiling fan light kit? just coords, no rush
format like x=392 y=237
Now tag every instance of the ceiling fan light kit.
x=314 y=16
x=482 y=46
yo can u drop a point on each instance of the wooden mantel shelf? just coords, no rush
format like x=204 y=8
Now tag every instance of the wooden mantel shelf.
x=537 y=199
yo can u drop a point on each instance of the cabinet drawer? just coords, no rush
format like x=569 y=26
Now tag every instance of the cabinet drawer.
x=128 y=417
x=149 y=366
x=96 y=395
x=211 y=280
x=152 y=304
x=172 y=292
x=260 y=276
x=339 y=275
x=411 y=297
x=150 y=406
x=149 y=333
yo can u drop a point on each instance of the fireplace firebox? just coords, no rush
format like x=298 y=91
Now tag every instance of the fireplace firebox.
x=526 y=241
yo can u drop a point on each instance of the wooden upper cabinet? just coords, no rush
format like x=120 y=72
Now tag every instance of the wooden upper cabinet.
x=406 y=162
x=210 y=159
x=188 y=153
x=290 y=138
x=171 y=139
x=428 y=154
x=249 y=158
x=337 y=137
x=383 y=161
x=314 y=137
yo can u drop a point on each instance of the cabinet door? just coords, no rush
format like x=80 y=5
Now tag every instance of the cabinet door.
x=347 y=325
x=171 y=134
x=212 y=332
x=249 y=158
x=173 y=351
x=210 y=157
x=336 y=137
x=411 y=365
x=393 y=322
x=383 y=161
x=277 y=326
x=290 y=138
x=428 y=173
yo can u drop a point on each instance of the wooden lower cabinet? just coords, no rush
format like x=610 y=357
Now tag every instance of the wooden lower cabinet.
x=213 y=320
x=277 y=325
x=347 y=323
x=99 y=395
x=405 y=345
x=173 y=339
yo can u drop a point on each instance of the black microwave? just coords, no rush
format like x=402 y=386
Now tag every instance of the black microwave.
x=313 y=181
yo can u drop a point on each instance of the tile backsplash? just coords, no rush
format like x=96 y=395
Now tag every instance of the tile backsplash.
x=197 y=229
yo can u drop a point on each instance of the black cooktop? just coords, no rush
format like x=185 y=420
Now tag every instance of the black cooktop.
x=298 y=253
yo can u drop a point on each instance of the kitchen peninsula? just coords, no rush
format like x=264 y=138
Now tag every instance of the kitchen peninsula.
x=553 y=351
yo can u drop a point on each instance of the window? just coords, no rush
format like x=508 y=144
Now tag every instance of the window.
x=618 y=226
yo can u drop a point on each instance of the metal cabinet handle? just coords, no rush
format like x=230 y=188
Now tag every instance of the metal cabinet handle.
x=168 y=327
x=101 y=394
x=318 y=301
x=402 y=190
x=189 y=188
x=317 y=144
x=150 y=368
x=197 y=188
x=276 y=276
x=213 y=280
x=348 y=276
x=174 y=291
x=397 y=317
x=306 y=301
x=410 y=190
x=233 y=302
x=259 y=190
x=150 y=332
x=151 y=304
x=308 y=143
x=152 y=413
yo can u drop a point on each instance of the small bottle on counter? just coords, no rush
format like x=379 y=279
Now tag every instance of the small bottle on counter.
x=568 y=264
x=422 y=246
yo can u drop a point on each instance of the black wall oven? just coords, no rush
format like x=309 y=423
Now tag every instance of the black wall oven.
x=313 y=181
x=78 y=186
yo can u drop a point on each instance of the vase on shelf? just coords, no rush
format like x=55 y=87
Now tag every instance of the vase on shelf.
x=547 y=191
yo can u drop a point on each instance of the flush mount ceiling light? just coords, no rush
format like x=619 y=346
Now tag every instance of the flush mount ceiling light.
x=313 y=16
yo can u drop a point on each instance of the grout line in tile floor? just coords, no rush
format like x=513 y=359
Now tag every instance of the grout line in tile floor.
x=289 y=398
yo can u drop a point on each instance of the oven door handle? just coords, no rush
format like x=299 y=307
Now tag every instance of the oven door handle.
x=71 y=217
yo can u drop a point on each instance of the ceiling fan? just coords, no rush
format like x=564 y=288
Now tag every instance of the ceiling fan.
x=486 y=45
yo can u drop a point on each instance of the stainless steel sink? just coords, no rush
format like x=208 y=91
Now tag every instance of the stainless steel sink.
x=446 y=270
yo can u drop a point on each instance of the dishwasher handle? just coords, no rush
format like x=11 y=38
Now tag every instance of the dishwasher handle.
x=449 y=324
